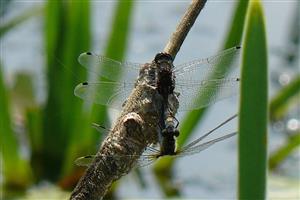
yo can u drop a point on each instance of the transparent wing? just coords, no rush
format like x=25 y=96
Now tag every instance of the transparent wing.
x=142 y=161
x=145 y=160
x=208 y=133
x=109 y=68
x=198 y=148
x=214 y=66
x=112 y=94
x=149 y=156
x=100 y=128
x=84 y=161
x=197 y=94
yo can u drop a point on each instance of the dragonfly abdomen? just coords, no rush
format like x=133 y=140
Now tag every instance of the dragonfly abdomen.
x=167 y=146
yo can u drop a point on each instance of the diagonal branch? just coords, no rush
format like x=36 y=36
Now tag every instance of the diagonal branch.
x=184 y=27
x=136 y=127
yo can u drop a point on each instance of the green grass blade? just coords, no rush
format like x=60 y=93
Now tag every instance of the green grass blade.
x=35 y=137
x=67 y=35
x=85 y=141
x=79 y=41
x=284 y=151
x=253 y=107
x=235 y=32
x=279 y=103
x=120 y=30
x=16 y=170
x=50 y=154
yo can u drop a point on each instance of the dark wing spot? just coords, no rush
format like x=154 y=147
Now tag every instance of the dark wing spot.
x=238 y=47
x=238 y=79
x=88 y=53
x=85 y=83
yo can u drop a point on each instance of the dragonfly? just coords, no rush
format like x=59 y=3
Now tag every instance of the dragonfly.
x=151 y=154
x=185 y=89
x=200 y=76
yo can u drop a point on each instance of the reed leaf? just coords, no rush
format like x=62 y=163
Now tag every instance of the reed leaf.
x=66 y=34
x=280 y=154
x=253 y=107
x=85 y=140
x=16 y=169
x=280 y=102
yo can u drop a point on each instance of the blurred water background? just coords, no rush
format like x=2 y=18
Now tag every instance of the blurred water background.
x=211 y=174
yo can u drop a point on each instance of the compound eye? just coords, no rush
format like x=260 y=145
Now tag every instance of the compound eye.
x=162 y=56
x=158 y=57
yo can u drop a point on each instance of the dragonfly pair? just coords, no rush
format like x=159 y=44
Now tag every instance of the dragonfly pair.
x=201 y=76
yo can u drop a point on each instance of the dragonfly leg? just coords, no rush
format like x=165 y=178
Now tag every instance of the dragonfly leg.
x=176 y=122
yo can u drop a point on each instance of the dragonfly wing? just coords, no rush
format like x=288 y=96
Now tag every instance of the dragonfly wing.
x=193 y=143
x=112 y=94
x=197 y=94
x=198 y=148
x=141 y=161
x=109 y=68
x=84 y=161
x=209 y=68
x=100 y=128
x=145 y=160
x=148 y=156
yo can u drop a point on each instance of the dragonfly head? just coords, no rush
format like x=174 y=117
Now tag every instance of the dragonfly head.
x=163 y=57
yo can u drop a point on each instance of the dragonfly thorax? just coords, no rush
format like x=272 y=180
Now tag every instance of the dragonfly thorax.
x=165 y=77
x=165 y=83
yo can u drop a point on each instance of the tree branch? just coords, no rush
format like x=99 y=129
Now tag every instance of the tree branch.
x=184 y=27
x=134 y=130
x=136 y=127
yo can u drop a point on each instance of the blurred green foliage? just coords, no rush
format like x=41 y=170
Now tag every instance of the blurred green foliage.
x=284 y=98
x=253 y=114
x=5 y=27
x=286 y=101
x=278 y=156
x=67 y=34
x=59 y=130
x=16 y=168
